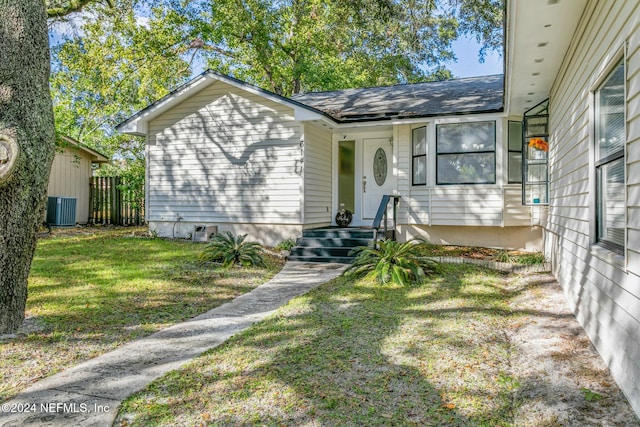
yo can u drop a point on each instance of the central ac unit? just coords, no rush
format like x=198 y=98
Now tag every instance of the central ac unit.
x=61 y=210
x=202 y=233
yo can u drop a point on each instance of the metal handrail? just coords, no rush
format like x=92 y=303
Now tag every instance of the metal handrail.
x=382 y=215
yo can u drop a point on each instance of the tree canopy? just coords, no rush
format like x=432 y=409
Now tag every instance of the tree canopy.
x=127 y=53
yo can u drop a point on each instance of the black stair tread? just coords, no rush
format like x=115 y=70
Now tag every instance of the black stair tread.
x=320 y=251
x=340 y=260
x=328 y=242
x=338 y=233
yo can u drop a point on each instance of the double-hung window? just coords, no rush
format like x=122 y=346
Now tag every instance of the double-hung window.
x=466 y=153
x=419 y=156
x=610 y=139
x=515 y=152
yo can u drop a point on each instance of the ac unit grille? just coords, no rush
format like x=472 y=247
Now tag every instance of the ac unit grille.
x=61 y=211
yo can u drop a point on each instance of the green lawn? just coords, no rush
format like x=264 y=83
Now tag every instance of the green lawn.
x=90 y=292
x=355 y=354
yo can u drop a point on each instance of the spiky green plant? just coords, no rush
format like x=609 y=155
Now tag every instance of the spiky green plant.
x=286 y=245
x=230 y=250
x=391 y=261
x=505 y=256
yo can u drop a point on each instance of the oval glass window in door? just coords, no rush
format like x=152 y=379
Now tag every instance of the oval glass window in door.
x=380 y=166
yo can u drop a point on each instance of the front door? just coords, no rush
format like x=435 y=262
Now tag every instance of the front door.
x=377 y=174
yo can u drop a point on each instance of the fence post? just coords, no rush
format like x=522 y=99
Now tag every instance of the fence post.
x=91 y=195
x=100 y=198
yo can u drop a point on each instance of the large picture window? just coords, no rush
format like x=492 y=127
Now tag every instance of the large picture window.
x=419 y=156
x=610 y=138
x=466 y=153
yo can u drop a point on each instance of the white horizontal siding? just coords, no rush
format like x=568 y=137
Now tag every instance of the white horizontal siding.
x=603 y=289
x=418 y=207
x=633 y=152
x=317 y=175
x=402 y=135
x=468 y=205
x=515 y=213
x=225 y=156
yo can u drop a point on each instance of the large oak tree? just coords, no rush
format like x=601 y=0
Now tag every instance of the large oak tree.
x=27 y=135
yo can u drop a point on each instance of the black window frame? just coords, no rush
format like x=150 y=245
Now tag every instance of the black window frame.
x=438 y=153
x=519 y=151
x=415 y=156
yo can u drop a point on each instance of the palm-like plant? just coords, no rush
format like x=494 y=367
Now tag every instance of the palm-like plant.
x=391 y=261
x=230 y=250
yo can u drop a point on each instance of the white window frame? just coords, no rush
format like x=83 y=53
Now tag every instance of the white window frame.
x=596 y=163
x=425 y=156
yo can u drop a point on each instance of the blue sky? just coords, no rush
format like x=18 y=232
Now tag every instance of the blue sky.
x=466 y=51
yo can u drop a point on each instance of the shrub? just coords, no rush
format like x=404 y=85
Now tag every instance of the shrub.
x=505 y=256
x=286 y=245
x=532 y=258
x=230 y=250
x=395 y=262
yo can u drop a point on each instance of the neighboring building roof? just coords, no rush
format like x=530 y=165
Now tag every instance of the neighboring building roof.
x=449 y=97
x=93 y=154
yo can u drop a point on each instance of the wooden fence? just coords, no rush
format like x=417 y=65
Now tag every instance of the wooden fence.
x=108 y=204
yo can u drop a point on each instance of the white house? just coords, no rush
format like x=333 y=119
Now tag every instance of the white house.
x=222 y=152
x=225 y=153
x=584 y=55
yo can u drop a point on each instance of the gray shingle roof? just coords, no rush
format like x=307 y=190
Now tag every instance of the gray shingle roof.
x=461 y=96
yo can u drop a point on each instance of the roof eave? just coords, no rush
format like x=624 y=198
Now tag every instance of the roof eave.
x=138 y=123
x=418 y=117
x=96 y=157
x=538 y=37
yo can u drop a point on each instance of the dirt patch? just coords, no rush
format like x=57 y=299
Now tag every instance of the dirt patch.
x=563 y=380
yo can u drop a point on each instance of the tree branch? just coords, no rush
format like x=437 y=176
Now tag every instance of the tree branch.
x=59 y=10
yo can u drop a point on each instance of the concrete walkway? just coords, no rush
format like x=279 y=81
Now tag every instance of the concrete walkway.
x=89 y=394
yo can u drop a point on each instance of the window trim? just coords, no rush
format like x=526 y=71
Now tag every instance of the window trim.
x=618 y=60
x=414 y=156
x=494 y=152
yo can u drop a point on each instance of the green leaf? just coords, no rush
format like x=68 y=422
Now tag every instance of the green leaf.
x=399 y=263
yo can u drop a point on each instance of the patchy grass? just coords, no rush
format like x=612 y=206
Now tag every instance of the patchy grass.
x=91 y=290
x=355 y=353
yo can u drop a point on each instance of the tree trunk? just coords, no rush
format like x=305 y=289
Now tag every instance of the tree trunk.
x=27 y=136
